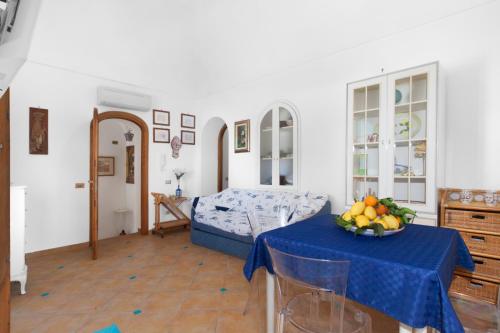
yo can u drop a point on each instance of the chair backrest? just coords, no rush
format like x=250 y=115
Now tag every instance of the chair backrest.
x=321 y=274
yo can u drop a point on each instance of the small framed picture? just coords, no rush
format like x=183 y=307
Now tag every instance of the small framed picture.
x=242 y=136
x=188 y=137
x=161 y=117
x=129 y=166
x=188 y=120
x=106 y=166
x=161 y=135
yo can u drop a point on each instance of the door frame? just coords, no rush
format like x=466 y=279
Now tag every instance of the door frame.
x=220 y=158
x=144 y=229
x=5 y=214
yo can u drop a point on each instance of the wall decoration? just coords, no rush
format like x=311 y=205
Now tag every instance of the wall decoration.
x=105 y=166
x=129 y=136
x=242 y=136
x=39 y=131
x=176 y=146
x=161 y=117
x=161 y=135
x=130 y=170
x=188 y=121
x=188 y=137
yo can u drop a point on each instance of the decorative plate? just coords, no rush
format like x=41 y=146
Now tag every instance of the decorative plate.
x=402 y=126
x=399 y=96
x=370 y=232
x=479 y=197
x=455 y=196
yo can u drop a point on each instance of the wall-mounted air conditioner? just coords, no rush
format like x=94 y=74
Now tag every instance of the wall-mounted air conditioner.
x=123 y=99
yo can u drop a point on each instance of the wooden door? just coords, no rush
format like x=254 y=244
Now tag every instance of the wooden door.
x=94 y=152
x=4 y=214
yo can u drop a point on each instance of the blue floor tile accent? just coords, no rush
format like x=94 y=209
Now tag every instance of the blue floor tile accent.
x=45 y=294
x=110 y=329
x=223 y=290
x=132 y=277
x=137 y=311
x=60 y=267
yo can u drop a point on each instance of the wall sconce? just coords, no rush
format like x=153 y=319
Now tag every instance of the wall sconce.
x=129 y=136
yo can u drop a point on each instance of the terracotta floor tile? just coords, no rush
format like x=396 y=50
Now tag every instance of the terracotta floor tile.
x=125 y=301
x=62 y=323
x=105 y=319
x=205 y=281
x=235 y=321
x=207 y=300
x=175 y=282
x=162 y=300
x=195 y=322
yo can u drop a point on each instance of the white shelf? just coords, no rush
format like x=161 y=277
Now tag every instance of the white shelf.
x=267 y=129
x=286 y=127
x=409 y=177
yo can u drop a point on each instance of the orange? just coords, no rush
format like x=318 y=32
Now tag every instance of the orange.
x=371 y=200
x=382 y=210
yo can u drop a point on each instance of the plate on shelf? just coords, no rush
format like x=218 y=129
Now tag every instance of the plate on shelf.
x=371 y=233
x=455 y=196
x=402 y=126
x=479 y=197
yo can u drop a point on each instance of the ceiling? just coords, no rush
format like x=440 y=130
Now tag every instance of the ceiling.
x=192 y=48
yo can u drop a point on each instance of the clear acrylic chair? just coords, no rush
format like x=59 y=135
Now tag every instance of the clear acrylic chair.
x=260 y=223
x=311 y=296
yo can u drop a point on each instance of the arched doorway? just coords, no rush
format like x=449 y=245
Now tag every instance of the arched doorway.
x=94 y=153
x=222 y=159
x=214 y=156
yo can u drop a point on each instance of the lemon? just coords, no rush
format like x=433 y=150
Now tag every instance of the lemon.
x=362 y=221
x=391 y=221
x=370 y=212
x=347 y=216
x=357 y=208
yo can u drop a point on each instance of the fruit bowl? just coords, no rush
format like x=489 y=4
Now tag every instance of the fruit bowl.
x=375 y=217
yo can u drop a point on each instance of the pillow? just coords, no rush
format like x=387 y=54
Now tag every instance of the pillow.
x=224 y=209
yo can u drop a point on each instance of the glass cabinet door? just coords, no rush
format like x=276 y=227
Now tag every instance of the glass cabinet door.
x=365 y=114
x=286 y=147
x=266 y=149
x=410 y=138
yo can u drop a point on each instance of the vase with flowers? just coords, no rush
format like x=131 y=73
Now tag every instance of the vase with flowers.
x=178 y=174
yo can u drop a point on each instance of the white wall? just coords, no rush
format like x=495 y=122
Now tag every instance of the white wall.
x=114 y=193
x=57 y=212
x=209 y=154
x=469 y=81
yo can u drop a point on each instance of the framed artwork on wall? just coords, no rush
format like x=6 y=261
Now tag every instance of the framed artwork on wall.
x=39 y=131
x=161 y=135
x=242 y=136
x=105 y=166
x=188 y=120
x=130 y=170
x=188 y=137
x=161 y=117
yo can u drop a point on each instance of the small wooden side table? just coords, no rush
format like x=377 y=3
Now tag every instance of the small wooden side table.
x=171 y=203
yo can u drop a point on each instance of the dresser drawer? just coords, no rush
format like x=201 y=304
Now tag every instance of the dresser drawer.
x=486 y=267
x=465 y=219
x=484 y=244
x=478 y=289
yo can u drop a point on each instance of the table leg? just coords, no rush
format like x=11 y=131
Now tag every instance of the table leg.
x=270 y=302
x=403 y=328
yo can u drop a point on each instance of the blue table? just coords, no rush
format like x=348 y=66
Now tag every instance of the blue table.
x=406 y=276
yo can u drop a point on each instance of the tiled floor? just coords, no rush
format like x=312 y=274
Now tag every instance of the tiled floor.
x=142 y=284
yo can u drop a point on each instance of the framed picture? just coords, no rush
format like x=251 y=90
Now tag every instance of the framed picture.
x=105 y=166
x=161 y=135
x=130 y=172
x=39 y=131
x=161 y=118
x=188 y=120
x=188 y=137
x=242 y=136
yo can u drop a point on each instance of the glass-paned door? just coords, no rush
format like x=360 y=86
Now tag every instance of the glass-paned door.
x=286 y=147
x=410 y=138
x=266 y=149
x=364 y=105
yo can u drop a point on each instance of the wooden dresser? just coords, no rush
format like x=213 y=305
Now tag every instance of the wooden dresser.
x=479 y=226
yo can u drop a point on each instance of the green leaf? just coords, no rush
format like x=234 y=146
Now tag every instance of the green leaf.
x=359 y=231
x=378 y=229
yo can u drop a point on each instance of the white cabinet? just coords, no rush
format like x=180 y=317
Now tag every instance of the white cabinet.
x=18 y=268
x=278 y=148
x=392 y=138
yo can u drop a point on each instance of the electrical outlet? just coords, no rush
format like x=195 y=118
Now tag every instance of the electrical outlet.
x=80 y=185
x=168 y=181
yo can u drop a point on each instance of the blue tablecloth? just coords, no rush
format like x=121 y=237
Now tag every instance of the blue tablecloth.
x=406 y=276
